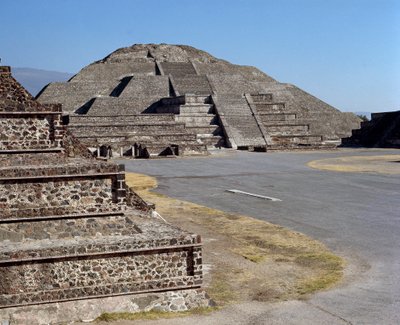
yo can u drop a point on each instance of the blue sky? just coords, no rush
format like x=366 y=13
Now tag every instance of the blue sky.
x=345 y=52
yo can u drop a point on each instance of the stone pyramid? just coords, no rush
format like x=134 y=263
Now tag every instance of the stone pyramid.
x=150 y=99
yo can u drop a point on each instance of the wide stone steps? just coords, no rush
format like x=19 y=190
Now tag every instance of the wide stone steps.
x=197 y=119
x=117 y=129
x=136 y=118
x=132 y=138
x=205 y=129
x=292 y=141
x=262 y=98
x=287 y=128
x=196 y=109
x=178 y=69
x=192 y=84
x=277 y=117
x=283 y=130
x=270 y=107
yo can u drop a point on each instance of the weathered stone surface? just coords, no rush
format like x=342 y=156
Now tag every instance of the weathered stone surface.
x=70 y=229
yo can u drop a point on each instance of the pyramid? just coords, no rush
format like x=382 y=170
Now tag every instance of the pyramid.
x=148 y=100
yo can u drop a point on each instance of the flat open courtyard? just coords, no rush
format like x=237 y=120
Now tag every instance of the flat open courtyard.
x=355 y=213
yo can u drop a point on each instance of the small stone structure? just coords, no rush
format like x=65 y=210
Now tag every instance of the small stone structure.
x=383 y=130
x=70 y=229
x=175 y=98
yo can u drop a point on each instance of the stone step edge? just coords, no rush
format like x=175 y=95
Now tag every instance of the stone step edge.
x=130 y=134
x=127 y=115
x=167 y=123
x=39 y=150
x=30 y=113
x=64 y=216
x=175 y=288
x=102 y=254
x=61 y=176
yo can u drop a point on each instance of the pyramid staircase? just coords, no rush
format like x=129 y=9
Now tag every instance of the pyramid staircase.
x=198 y=115
x=192 y=103
x=241 y=126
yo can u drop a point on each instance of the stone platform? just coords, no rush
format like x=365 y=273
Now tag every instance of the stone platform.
x=70 y=228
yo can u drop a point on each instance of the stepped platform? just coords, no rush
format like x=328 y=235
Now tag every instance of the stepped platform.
x=105 y=106
x=70 y=228
x=114 y=71
x=59 y=93
x=287 y=129
x=299 y=142
x=205 y=129
x=146 y=86
x=383 y=130
x=130 y=118
x=123 y=128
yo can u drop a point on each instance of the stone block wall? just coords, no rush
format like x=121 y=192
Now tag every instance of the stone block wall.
x=68 y=228
x=131 y=265
x=38 y=132
x=62 y=190
x=169 y=269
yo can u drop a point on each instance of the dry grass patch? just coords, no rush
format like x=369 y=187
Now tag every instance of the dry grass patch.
x=152 y=314
x=251 y=259
x=383 y=164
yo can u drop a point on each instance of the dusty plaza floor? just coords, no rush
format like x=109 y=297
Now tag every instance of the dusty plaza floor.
x=355 y=213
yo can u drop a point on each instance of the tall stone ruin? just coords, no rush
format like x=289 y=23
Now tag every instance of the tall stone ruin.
x=70 y=229
x=149 y=99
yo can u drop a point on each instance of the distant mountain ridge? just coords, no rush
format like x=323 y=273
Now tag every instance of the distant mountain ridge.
x=35 y=79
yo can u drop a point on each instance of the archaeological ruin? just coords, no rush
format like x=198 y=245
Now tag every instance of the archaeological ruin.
x=150 y=100
x=383 y=131
x=70 y=229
